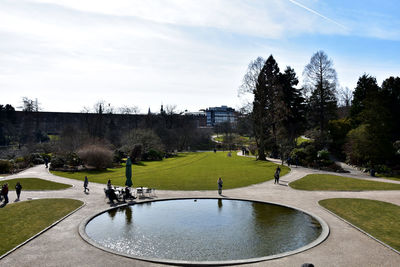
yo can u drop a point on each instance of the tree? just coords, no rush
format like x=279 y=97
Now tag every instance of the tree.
x=129 y=110
x=30 y=105
x=147 y=138
x=262 y=78
x=8 y=131
x=370 y=142
x=278 y=107
x=367 y=90
x=320 y=81
x=292 y=111
x=391 y=93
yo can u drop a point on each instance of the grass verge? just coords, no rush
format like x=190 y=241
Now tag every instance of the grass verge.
x=189 y=171
x=35 y=184
x=329 y=182
x=20 y=221
x=379 y=219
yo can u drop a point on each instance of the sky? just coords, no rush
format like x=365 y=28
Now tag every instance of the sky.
x=192 y=54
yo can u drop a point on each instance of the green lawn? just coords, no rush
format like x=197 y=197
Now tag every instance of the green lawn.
x=328 y=182
x=34 y=184
x=22 y=220
x=379 y=219
x=189 y=171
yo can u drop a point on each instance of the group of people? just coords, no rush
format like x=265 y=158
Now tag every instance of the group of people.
x=110 y=193
x=4 y=192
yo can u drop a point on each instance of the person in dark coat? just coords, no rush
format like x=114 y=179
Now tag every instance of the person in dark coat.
x=276 y=175
x=4 y=193
x=85 y=184
x=220 y=182
x=18 y=188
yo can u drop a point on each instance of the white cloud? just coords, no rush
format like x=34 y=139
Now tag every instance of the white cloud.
x=70 y=53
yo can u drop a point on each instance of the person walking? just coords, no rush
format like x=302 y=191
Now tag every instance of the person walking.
x=85 y=184
x=4 y=192
x=276 y=175
x=220 y=182
x=18 y=188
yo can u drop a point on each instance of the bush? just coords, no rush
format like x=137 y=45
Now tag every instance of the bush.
x=383 y=169
x=35 y=158
x=96 y=156
x=5 y=166
x=57 y=162
x=46 y=156
x=152 y=155
x=72 y=159
x=118 y=156
x=323 y=154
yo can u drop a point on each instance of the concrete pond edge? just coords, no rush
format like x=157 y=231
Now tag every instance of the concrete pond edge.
x=322 y=237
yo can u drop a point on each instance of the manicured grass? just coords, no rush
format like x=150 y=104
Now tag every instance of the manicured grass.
x=34 y=184
x=379 y=219
x=328 y=182
x=22 y=220
x=189 y=171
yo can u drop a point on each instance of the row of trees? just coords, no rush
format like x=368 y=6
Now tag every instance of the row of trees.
x=367 y=132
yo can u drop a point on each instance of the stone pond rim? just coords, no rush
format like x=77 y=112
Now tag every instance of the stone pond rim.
x=322 y=237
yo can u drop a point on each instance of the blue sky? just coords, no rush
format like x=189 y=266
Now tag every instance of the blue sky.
x=193 y=54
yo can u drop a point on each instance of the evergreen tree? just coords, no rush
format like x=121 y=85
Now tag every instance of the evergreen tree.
x=391 y=92
x=292 y=111
x=271 y=80
x=367 y=90
x=370 y=142
x=320 y=79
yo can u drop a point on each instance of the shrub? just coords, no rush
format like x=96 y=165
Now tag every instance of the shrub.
x=73 y=159
x=152 y=155
x=19 y=159
x=383 y=169
x=46 y=156
x=323 y=154
x=36 y=159
x=96 y=156
x=57 y=162
x=118 y=156
x=5 y=166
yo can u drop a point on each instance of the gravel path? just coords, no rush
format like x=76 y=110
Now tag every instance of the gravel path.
x=63 y=246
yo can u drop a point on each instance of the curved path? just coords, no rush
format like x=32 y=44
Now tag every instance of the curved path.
x=63 y=246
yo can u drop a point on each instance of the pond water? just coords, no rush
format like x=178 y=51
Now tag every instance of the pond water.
x=203 y=229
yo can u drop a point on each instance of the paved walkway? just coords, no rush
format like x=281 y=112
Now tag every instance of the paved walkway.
x=63 y=246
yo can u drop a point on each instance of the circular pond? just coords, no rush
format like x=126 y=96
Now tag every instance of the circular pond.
x=204 y=230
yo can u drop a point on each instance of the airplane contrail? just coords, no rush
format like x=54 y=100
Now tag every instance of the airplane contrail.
x=318 y=14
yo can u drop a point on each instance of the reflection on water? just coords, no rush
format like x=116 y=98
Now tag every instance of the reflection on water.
x=112 y=213
x=128 y=214
x=197 y=231
x=219 y=203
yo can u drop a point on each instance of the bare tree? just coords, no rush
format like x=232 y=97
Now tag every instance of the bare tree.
x=250 y=79
x=102 y=107
x=30 y=105
x=320 y=82
x=345 y=96
x=129 y=110
x=170 y=109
